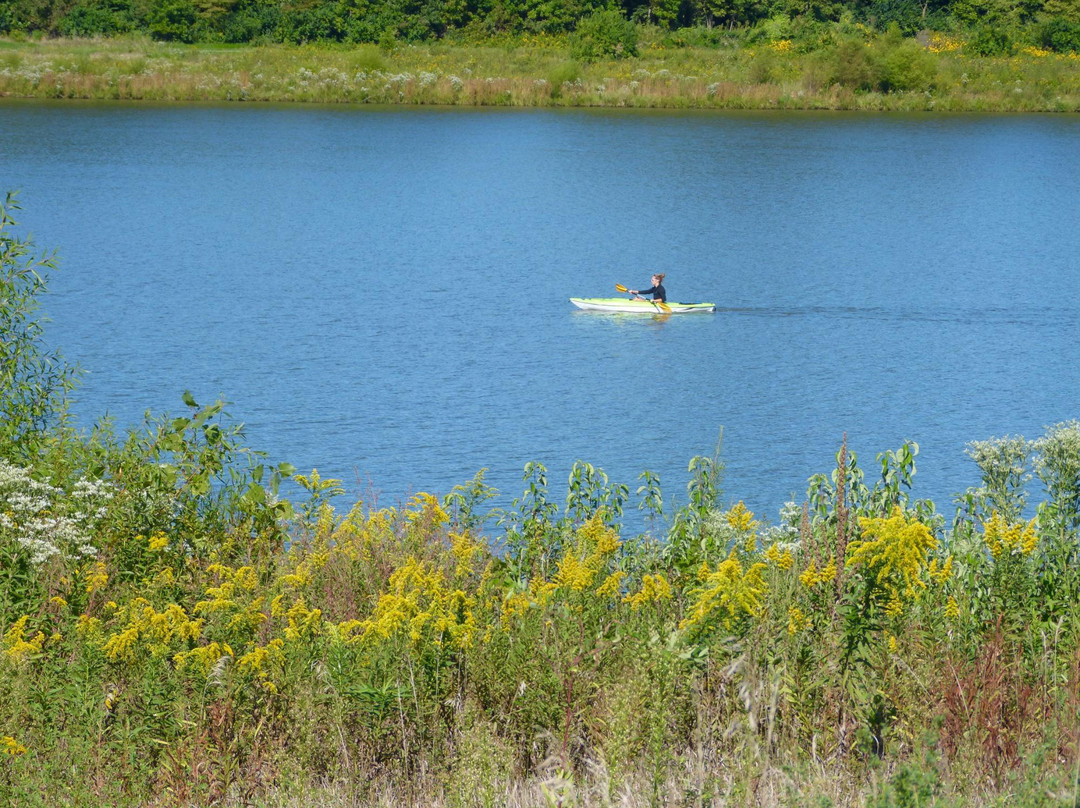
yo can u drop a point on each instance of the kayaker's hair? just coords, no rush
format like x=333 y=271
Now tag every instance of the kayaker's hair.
x=659 y=275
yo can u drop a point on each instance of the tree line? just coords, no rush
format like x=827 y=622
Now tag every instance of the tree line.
x=1053 y=24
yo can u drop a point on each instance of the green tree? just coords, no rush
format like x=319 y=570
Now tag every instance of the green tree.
x=34 y=380
x=605 y=35
x=174 y=21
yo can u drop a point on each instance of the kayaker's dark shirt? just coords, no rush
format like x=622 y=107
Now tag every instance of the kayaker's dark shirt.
x=658 y=293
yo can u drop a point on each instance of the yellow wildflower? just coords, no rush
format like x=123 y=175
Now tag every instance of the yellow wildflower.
x=893 y=548
x=9 y=746
x=796 y=620
x=654 y=589
x=1003 y=539
x=301 y=577
x=204 y=657
x=255 y=660
x=464 y=550
x=783 y=559
x=741 y=518
x=419 y=599
x=158 y=541
x=87 y=624
x=811 y=577
x=941 y=573
x=940 y=43
x=610 y=586
x=512 y=606
x=303 y=622
x=277 y=608
x=596 y=538
x=728 y=593
x=573 y=573
x=952 y=609
x=159 y=630
x=16 y=646
x=895 y=607
x=96 y=577
x=426 y=509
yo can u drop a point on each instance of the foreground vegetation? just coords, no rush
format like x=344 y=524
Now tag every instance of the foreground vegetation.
x=172 y=632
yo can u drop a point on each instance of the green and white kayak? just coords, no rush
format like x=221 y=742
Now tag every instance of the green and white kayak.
x=621 y=304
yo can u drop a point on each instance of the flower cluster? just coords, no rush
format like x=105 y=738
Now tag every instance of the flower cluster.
x=420 y=605
x=784 y=559
x=16 y=646
x=9 y=746
x=812 y=576
x=160 y=632
x=726 y=595
x=797 y=620
x=893 y=551
x=1004 y=539
x=582 y=564
x=654 y=589
x=44 y=521
x=942 y=43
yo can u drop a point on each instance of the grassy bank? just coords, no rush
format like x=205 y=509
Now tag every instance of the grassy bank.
x=173 y=632
x=872 y=72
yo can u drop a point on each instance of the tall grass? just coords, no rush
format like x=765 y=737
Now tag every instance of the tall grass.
x=881 y=73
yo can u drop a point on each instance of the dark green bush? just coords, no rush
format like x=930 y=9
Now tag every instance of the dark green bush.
x=698 y=37
x=314 y=24
x=765 y=68
x=1059 y=35
x=990 y=40
x=173 y=21
x=849 y=65
x=604 y=35
x=911 y=16
x=92 y=21
x=902 y=64
x=250 y=25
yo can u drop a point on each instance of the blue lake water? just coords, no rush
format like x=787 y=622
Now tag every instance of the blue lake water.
x=382 y=294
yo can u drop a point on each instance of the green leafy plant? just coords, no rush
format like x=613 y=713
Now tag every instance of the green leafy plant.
x=34 y=380
x=605 y=34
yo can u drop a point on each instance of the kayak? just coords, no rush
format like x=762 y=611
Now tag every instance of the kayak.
x=621 y=304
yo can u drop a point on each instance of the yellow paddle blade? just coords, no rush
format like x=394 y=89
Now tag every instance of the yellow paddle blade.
x=664 y=307
x=620 y=288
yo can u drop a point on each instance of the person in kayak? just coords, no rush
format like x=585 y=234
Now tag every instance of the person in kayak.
x=657 y=291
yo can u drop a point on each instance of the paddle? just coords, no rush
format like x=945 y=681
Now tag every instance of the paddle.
x=660 y=304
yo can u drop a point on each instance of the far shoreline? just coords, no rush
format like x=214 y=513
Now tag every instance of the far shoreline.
x=534 y=75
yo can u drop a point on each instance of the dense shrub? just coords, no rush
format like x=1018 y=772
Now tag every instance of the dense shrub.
x=174 y=21
x=903 y=64
x=990 y=40
x=604 y=35
x=1059 y=35
x=910 y=15
x=850 y=65
x=92 y=21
